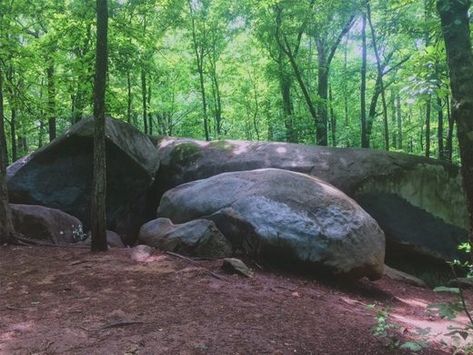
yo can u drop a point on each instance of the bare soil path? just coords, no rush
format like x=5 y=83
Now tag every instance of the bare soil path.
x=69 y=301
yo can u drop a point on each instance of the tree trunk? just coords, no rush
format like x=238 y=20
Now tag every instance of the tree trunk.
x=451 y=127
x=393 y=120
x=144 y=100
x=441 y=151
x=6 y=225
x=380 y=74
x=319 y=125
x=399 y=122
x=427 y=126
x=199 y=58
x=456 y=32
x=150 y=115
x=51 y=101
x=14 y=145
x=322 y=91
x=364 y=134
x=333 y=119
x=285 y=84
x=98 y=216
x=129 y=97
x=345 y=72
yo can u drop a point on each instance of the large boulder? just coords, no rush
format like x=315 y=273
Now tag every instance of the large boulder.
x=427 y=185
x=285 y=216
x=46 y=224
x=60 y=175
x=199 y=237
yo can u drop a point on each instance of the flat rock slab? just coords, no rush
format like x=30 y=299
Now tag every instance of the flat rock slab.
x=284 y=216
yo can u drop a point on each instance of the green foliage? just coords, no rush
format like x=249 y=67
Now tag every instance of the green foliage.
x=386 y=331
x=244 y=70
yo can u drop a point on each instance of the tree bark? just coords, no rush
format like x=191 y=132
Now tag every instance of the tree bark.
x=441 y=150
x=199 y=57
x=51 y=101
x=427 y=126
x=144 y=100
x=150 y=115
x=364 y=134
x=333 y=118
x=399 y=122
x=451 y=127
x=129 y=97
x=380 y=74
x=325 y=54
x=98 y=216
x=6 y=225
x=456 y=32
x=285 y=84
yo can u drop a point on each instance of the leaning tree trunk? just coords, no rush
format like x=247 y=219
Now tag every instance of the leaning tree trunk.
x=98 y=216
x=456 y=32
x=6 y=225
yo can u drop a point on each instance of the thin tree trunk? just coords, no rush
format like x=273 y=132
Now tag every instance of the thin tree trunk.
x=199 y=57
x=333 y=119
x=427 y=126
x=6 y=225
x=14 y=145
x=144 y=100
x=393 y=121
x=441 y=151
x=150 y=115
x=364 y=133
x=456 y=31
x=285 y=84
x=129 y=97
x=322 y=91
x=451 y=127
x=380 y=73
x=399 y=122
x=310 y=105
x=98 y=210
x=51 y=101
x=345 y=91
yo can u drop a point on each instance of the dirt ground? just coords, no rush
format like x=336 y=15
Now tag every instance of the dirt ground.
x=69 y=301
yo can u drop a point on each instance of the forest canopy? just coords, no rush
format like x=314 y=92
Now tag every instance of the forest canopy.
x=339 y=73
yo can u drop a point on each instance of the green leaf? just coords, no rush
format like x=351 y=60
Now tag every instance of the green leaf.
x=412 y=346
x=454 y=290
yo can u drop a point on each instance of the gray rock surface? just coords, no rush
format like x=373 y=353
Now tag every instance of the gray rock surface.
x=199 y=237
x=234 y=265
x=45 y=224
x=431 y=189
x=284 y=215
x=60 y=175
x=402 y=276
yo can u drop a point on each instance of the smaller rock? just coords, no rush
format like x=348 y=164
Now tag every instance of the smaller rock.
x=233 y=265
x=199 y=237
x=398 y=275
x=46 y=224
x=461 y=282
x=114 y=240
x=141 y=253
